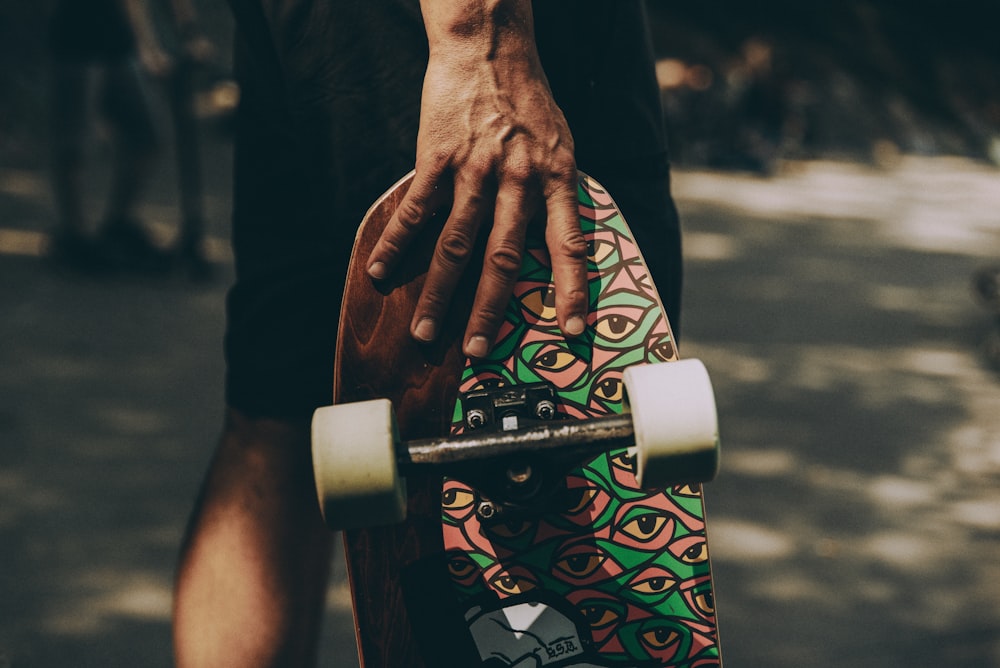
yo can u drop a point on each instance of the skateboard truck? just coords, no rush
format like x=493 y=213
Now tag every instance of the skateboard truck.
x=509 y=408
x=517 y=483
x=514 y=444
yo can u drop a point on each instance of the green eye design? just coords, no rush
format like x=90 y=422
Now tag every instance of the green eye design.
x=553 y=360
x=655 y=585
x=660 y=638
x=615 y=327
x=609 y=389
x=645 y=527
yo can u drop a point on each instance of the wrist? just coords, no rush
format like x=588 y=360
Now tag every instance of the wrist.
x=485 y=29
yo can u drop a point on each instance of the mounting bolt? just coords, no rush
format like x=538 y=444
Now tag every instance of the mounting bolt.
x=545 y=409
x=486 y=510
x=475 y=418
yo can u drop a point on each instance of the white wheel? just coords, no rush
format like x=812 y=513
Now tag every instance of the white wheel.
x=675 y=422
x=354 y=461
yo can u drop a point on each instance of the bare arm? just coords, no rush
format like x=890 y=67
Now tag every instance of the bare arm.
x=491 y=133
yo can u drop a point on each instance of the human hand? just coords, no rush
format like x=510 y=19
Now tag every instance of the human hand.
x=492 y=136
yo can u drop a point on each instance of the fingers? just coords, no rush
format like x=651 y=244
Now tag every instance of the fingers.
x=454 y=249
x=421 y=201
x=568 y=252
x=511 y=206
x=514 y=208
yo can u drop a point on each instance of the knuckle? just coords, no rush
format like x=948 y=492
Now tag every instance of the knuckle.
x=389 y=246
x=487 y=315
x=505 y=259
x=454 y=247
x=410 y=214
x=433 y=160
x=519 y=173
x=575 y=298
x=562 y=172
x=573 y=245
x=477 y=170
x=432 y=301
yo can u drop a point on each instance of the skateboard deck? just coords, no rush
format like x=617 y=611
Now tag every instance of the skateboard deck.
x=593 y=571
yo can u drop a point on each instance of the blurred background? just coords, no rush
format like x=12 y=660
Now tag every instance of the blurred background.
x=836 y=172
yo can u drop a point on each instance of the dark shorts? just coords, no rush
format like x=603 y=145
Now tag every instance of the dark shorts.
x=328 y=121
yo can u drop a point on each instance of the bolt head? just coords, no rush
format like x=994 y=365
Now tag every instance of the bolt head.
x=545 y=410
x=475 y=418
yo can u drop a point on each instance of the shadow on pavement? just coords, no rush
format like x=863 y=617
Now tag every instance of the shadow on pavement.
x=856 y=520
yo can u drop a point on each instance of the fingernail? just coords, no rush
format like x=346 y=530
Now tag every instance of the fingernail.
x=377 y=270
x=575 y=325
x=425 y=330
x=477 y=346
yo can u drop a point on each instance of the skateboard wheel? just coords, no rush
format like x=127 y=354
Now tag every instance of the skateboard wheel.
x=354 y=462
x=675 y=423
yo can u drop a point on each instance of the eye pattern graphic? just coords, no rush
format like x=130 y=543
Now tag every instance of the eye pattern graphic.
x=662 y=350
x=655 y=585
x=581 y=564
x=690 y=549
x=461 y=567
x=510 y=529
x=553 y=359
x=583 y=503
x=660 y=638
x=579 y=499
x=598 y=250
x=609 y=390
x=511 y=584
x=599 y=616
x=615 y=327
x=705 y=602
x=696 y=554
x=541 y=303
x=645 y=527
x=689 y=491
x=579 y=568
x=624 y=461
x=456 y=498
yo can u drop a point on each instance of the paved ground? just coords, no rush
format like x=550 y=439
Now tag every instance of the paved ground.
x=857 y=517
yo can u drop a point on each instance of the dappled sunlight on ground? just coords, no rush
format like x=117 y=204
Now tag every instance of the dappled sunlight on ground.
x=857 y=514
x=856 y=518
x=931 y=204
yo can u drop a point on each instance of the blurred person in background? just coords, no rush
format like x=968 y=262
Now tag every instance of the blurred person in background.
x=100 y=51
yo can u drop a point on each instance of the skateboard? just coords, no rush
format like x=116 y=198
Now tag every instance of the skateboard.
x=539 y=507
